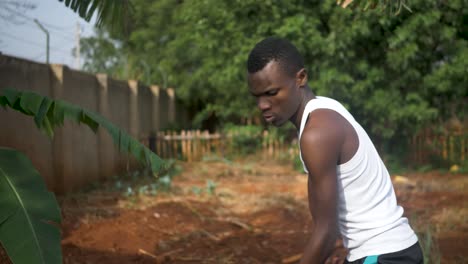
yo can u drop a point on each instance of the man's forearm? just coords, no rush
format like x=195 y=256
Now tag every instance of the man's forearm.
x=319 y=247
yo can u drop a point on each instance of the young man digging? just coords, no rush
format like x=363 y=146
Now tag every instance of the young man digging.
x=351 y=196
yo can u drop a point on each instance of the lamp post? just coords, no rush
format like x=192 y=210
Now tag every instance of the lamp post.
x=47 y=38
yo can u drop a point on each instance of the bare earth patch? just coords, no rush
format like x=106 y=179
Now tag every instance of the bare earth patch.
x=257 y=214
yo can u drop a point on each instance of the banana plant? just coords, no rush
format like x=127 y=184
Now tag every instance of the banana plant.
x=30 y=214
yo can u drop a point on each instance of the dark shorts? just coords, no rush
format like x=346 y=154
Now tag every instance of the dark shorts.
x=410 y=255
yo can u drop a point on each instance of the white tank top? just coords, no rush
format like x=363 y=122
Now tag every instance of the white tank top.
x=369 y=218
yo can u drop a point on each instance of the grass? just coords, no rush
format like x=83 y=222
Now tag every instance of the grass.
x=429 y=247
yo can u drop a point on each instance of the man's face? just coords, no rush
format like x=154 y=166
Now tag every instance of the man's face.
x=276 y=92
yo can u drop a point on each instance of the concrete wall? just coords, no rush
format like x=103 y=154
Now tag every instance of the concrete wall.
x=77 y=156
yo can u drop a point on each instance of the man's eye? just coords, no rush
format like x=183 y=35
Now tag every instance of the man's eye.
x=272 y=93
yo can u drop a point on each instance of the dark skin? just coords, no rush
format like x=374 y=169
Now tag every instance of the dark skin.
x=327 y=140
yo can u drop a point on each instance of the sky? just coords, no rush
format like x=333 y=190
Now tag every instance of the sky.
x=21 y=37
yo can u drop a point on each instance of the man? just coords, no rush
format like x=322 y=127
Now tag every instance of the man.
x=349 y=189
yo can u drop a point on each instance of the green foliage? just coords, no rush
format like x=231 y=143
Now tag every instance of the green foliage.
x=291 y=157
x=29 y=214
x=395 y=73
x=210 y=188
x=102 y=55
x=244 y=139
x=463 y=168
x=137 y=183
x=49 y=113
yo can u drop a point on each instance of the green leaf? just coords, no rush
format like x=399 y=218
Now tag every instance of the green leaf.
x=56 y=113
x=86 y=119
x=42 y=111
x=124 y=142
x=70 y=111
x=48 y=128
x=11 y=96
x=3 y=102
x=30 y=102
x=29 y=215
x=136 y=150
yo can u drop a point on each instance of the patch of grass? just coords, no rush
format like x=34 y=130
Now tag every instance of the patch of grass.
x=429 y=247
x=216 y=158
x=424 y=168
x=143 y=182
x=210 y=188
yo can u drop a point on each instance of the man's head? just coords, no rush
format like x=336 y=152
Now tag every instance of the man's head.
x=276 y=76
x=275 y=49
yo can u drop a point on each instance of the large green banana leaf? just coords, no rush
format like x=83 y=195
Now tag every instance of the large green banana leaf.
x=49 y=113
x=29 y=214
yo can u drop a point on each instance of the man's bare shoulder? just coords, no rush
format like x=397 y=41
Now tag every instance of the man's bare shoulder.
x=323 y=128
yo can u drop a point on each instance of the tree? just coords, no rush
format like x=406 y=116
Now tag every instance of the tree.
x=396 y=73
x=102 y=54
x=203 y=46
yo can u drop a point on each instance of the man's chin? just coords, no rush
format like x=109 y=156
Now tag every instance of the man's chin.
x=277 y=123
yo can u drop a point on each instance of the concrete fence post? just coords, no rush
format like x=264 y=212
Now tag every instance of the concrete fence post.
x=133 y=109
x=156 y=122
x=61 y=156
x=105 y=144
x=171 y=105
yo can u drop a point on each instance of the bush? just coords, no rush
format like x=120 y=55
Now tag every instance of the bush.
x=243 y=139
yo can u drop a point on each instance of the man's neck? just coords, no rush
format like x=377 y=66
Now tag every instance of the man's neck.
x=307 y=95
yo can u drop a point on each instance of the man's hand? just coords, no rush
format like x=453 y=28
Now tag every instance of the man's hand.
x=338 y=256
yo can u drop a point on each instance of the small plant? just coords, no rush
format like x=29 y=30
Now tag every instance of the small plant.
x=162 y=183
x=210 y=188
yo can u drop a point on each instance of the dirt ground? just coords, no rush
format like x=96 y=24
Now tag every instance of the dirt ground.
x=257 y=213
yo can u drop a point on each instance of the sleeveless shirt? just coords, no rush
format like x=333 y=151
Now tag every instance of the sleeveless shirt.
x=370 y=221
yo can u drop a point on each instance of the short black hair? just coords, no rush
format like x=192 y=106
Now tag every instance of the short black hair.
x=275 y=49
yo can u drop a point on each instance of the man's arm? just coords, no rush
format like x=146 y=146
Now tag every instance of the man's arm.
x=321 y=144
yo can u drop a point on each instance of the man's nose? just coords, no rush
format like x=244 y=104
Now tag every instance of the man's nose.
x=263 y=104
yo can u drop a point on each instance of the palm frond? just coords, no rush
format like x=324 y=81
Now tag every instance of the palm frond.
x=115 y=14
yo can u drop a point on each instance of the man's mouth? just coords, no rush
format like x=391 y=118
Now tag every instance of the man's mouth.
x=269 y=118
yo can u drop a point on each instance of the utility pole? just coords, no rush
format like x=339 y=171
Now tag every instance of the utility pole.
x=77 y=46
x=47 y=38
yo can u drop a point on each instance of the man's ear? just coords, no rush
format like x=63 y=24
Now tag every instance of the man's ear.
x=301 y=77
